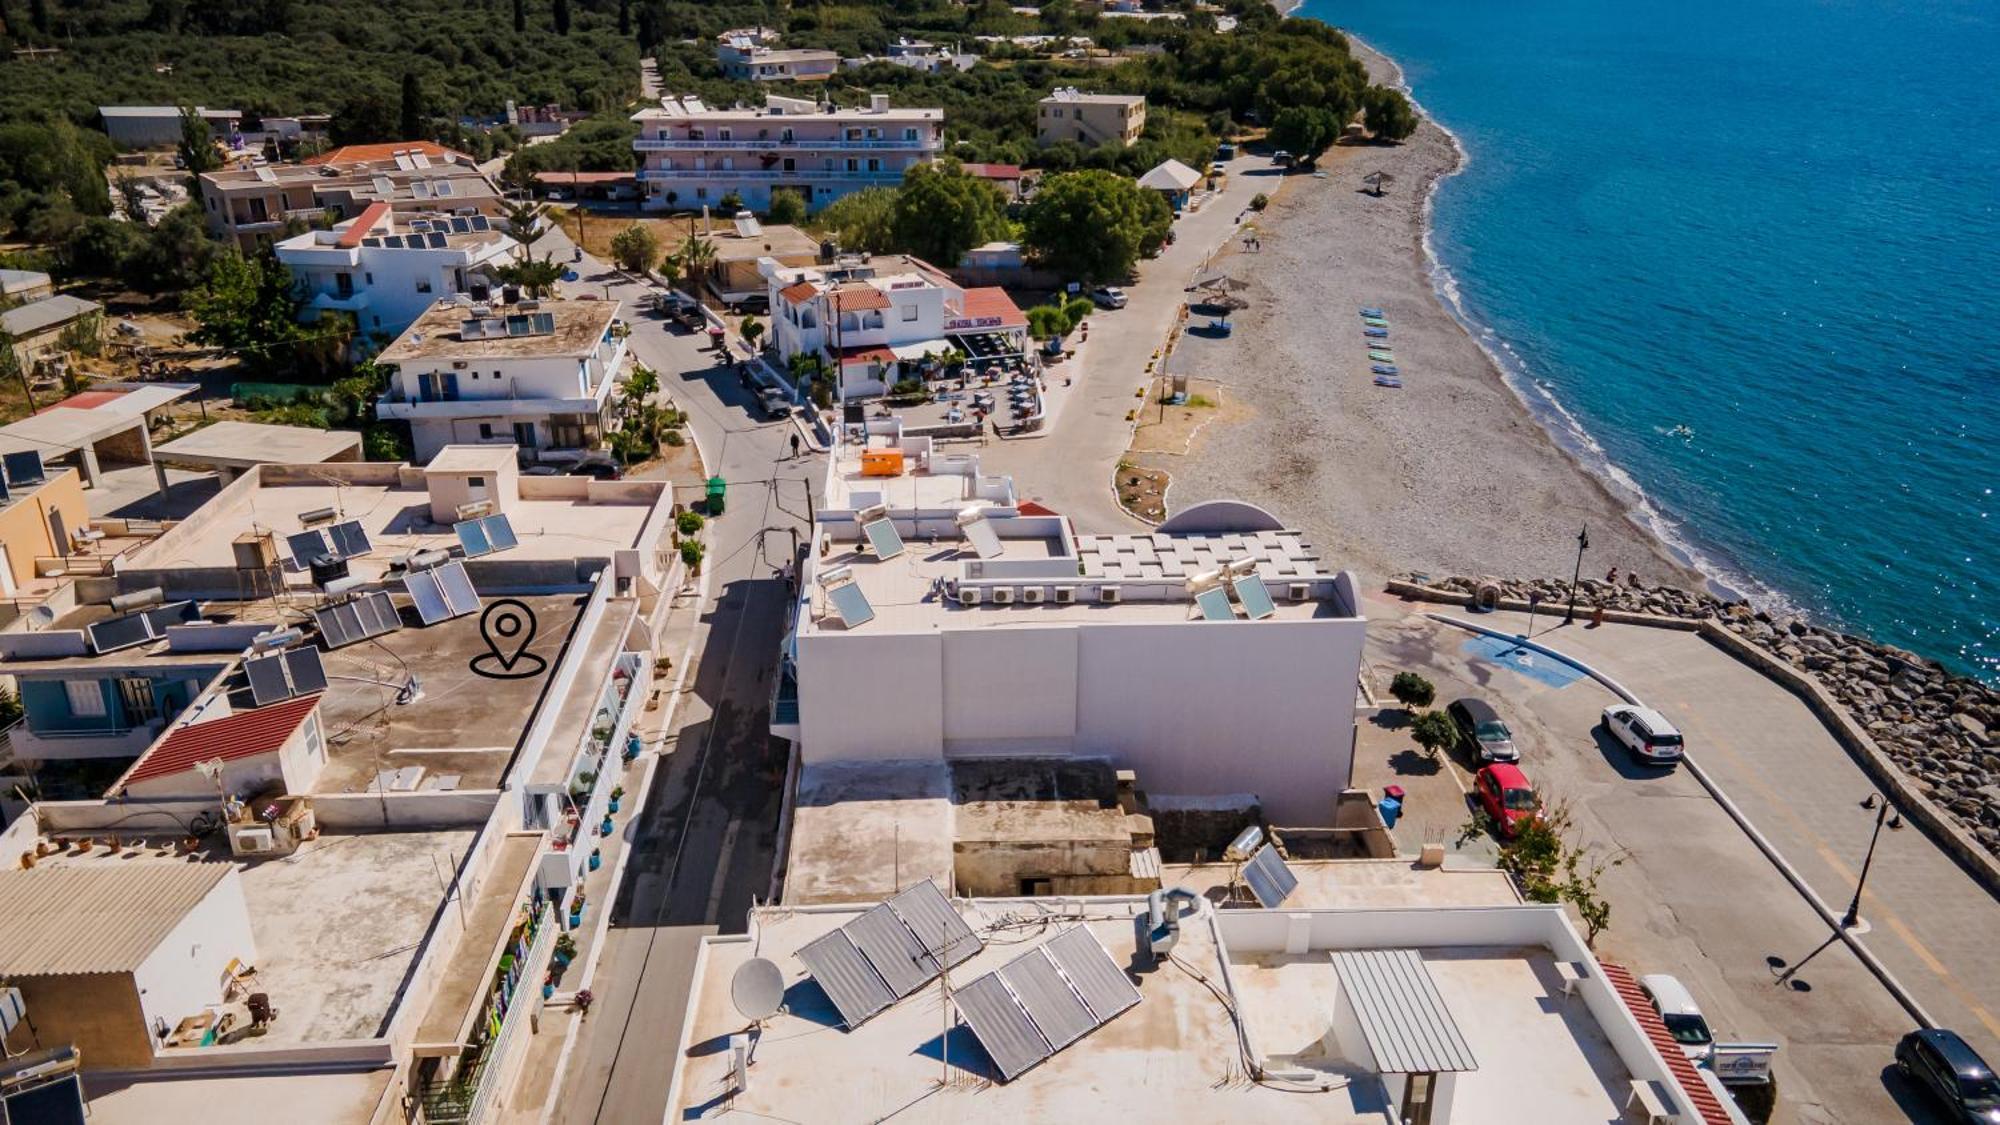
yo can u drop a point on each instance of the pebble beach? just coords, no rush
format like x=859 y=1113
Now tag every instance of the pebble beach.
x=1449 y=474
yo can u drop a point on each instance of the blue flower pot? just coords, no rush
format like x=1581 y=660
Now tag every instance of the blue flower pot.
x=596 y=861
x=575 y=919
x=605 y=828
x=614 y=804
x=548 y=990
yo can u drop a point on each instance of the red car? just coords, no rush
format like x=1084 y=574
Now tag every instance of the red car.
x=1505 y=794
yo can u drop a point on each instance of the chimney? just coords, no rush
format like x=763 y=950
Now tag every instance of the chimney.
x=878 y=103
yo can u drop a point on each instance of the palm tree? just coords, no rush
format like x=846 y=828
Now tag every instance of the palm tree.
x=697 y=257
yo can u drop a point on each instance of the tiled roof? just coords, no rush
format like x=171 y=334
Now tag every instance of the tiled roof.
x=86 y=400
x=866 y=352
x=993 y=301
x=96 y=916
x=799 y=293
x=1692 y=1087
x=243 y=735
x=353 y=154
x=860 y=298
x=994 y=171
x=359 y=228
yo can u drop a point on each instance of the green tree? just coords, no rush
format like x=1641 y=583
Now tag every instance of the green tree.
x=697 y=257
x=752 y=329
x=863 y=222
x=942 y=212
x=520 y=15
x=38 y=14
x=247 y=306
x=1306 y=131
x=636 y=248
x=12 y=370
x=1094 y=225
x=1387 y=113
x=175 y=255
x=365 y=118
x=197 y=144
x=527 y=224
x=413 y=108
x=537 y=277
x=624 y=17
x=1412 y=690
x=1433 y=730
x=788 y=208
x=562 y=17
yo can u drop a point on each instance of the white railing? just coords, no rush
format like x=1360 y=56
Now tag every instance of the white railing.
x=527 y=996
x=771 y=175
x=669 y=144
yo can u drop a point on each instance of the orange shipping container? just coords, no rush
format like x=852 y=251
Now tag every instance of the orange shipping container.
x=881 y=462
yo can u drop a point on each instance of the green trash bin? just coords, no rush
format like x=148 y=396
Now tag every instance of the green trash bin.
x=716 y=487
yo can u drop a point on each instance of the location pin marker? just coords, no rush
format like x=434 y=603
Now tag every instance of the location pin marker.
x=508 y=626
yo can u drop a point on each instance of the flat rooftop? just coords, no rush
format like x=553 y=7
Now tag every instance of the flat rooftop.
x=911 y=592
x=554 y=519
x=462 y=731
x=235 y=444
x=337 y=923
x=153 y=654
x=580 y=327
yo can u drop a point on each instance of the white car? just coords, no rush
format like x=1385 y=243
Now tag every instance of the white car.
x=1680 y=1013
x=1108 y=297
x=1645 y=732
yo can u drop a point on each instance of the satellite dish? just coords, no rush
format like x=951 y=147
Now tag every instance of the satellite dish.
x=40 y=617
x=758 y=989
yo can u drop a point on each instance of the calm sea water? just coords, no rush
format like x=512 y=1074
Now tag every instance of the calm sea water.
x=1775 y=223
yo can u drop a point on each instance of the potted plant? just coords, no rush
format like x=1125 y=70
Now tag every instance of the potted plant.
x=576 y=911
x=596 y=859
x=605 y=828
x=632 y=745
x=617 y=792
x=585 y=780
x=565 y=949
x=548 y=985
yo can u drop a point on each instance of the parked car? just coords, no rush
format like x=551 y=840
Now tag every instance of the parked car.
x=1481 y=731
x=1109 y=297
x=1953 y=1073
x=774 y=402
x=1680 y=1013
x=1645 y=732
x=1505 y=794
x=1225 y=151
x=602 y=470
x=1282 y=157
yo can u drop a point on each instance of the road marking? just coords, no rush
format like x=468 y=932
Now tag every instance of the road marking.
x=1922 y=953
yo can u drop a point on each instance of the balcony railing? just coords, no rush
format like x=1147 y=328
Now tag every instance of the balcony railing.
x=767 y=175
x=670 y=144
x=465 y=1097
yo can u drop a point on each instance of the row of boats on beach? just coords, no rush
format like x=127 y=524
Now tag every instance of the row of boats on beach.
x=1381 y=358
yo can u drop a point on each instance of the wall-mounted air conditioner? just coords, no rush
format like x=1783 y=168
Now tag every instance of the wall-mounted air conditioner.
x=1109 y=595
x=1033 y=595
x=968 y=595
x=1065 y=595
x=1003 y=595
x=1301 y=591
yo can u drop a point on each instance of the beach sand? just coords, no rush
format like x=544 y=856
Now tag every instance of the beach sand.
x=1449 y=475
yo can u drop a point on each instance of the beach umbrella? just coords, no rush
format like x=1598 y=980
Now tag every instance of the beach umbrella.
x=1221 y=283
x=1228 y=301
x=1378 y=180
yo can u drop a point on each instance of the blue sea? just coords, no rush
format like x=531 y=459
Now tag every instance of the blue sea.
x=1773 y=225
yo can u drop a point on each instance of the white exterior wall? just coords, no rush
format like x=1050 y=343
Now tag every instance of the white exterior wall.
x=391 y=287
x=1197 y=707
x=498 y=393
x=183 y=974
x=821 y=160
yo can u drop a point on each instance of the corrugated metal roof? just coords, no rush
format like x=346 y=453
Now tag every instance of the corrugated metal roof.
x=96 y=916
x=42 y=315
x=1402 y=1015
x=243 y=735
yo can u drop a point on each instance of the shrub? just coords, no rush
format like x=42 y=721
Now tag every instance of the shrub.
x=1412 y=690
x=1433 y=731
x=691 y=552
x=674 y=438
x=688 y=523
x=1259 y=201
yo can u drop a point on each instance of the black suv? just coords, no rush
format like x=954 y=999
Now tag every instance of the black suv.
x=1953 y=1072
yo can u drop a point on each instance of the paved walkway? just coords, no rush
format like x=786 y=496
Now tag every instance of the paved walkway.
x=1071 y=470
x=1693 y=896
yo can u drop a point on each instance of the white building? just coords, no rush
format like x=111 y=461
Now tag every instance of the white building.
x=694 y=156
x=159 y=126
x=752 y=55
x=875 y=319
x=1216 y=656
x=535 y=374
x=916 y=54
x=387 y=268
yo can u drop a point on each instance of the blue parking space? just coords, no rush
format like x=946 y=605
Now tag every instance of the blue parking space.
x=1537 y=666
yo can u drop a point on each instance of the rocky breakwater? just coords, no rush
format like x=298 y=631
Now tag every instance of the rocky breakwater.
x=1940 y=729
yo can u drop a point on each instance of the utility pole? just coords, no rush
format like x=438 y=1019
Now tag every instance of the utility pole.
x=1582 y=545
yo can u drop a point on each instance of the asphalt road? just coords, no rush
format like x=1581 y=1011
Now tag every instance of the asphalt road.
x=705 y=840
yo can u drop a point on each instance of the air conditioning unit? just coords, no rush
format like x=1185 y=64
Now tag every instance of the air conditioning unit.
x=252 y=841
x=1109 y=595
x=1003 y=595
x=1065 y=595
x=1301 y=591
x=1033 y=595
x=968 y=595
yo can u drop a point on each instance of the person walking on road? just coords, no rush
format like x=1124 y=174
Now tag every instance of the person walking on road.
x=795 y=447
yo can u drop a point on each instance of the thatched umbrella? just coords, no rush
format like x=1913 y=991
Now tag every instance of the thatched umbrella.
x=1221 y=283
x=1227 y=301
x=1378 y=180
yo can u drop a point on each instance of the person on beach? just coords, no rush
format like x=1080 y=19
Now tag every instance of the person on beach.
x=1611 y=576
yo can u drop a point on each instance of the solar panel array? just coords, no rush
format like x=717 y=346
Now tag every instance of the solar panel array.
x=345 y=540
x=1044 y=1000
x=24 y=467
x=851 y=602
x=370 y=615
x=1269 y=879
x=985 y=540
x=131 y=629
x=883 y=537
x=442 y=593
x=486 y=535
x=1255 y=597
x=889 y=952
x=1214 y=603
x=279 y=676
x=501 y=327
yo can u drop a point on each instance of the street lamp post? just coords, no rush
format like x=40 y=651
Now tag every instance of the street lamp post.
x=1882 y=810
x=1582 y=545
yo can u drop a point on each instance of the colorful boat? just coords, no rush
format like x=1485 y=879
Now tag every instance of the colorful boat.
x=1388 y=381
x=1385 y=369
x=1373 y=312
x=1382 y=355
x=1374 y=322
x=1375 y=333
